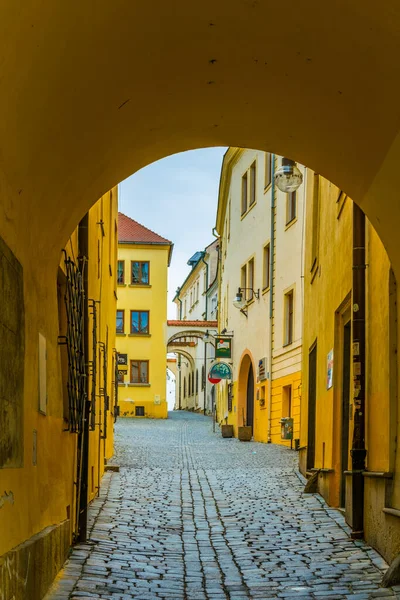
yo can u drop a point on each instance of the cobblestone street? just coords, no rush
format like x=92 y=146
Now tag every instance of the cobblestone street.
x=195 y=516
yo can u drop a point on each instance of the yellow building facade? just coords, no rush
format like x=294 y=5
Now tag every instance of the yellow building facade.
x=46 y=475
x=328 y=394
x=261 y=255
x=143 y=260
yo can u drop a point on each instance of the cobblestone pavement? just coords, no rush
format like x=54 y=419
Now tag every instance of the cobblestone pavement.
x=195 y=516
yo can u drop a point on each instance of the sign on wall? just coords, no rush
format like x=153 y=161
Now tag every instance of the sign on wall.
x=122 y=359
x=223 y=347
x=220 y=370
x=262 y=369
x=329 y=370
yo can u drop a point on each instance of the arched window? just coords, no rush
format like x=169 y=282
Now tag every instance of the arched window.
x=203 y=377
x=184 y=387
x=197 y=381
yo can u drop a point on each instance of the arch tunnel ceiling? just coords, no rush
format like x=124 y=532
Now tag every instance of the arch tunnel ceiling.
x=92 y=92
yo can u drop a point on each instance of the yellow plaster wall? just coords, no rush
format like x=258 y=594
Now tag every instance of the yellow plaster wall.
x=44 y=494
x=277 y=411
x=102 y=288
x=324 y=291
x=324 y=300
x=377 y=356
x=152 y=347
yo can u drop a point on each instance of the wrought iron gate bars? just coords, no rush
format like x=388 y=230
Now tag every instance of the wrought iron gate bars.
x=103 y=390
x=92 y=365
x=74 y=341
x=115 y=383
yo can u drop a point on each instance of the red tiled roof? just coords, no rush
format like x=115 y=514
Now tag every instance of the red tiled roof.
x=193 y=323
x=132 y=231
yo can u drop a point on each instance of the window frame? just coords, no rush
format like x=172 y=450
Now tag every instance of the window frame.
x=291 y=207
x=266 y=266
x=244 y=194
x=120 y=310
x=251 y=268
x=140 y=312
x=268 y=170
x=140 y=262
x=140 y=361
x=123 y=272
x=252 y=195
x=289 y=317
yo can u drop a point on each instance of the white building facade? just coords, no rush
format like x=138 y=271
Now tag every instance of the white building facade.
x=196 y=322
x=261 y=231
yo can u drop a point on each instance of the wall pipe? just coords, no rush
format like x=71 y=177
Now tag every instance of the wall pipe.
x=358 y=452
x=271 y=294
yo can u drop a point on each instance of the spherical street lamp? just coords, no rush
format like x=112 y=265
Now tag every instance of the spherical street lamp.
x=288 y=177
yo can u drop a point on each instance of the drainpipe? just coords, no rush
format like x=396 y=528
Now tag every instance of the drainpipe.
x=179 y=383
x=83 y=438
x=205 y=376
x=271 y=294
x=358 y=452
x=206 y=263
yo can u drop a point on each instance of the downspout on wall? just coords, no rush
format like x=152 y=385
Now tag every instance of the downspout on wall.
x=271 y=294
x=358 y=451
x=205 y=291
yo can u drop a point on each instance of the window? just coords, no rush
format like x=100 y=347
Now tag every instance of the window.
x=250 y=279
x=139 y=371
x=184 y=387
x=120 y=321
x=287 y=401
x=268 y=169
x=228 y=232
x=205 y=283
x=244 y=193
x=121 y=272
x=140 y=274
x=291 y=202
x=140 y=321
x=315 y=222
x=266 y=266
x=203 y=377
x=139 y=411
x=252 y=184
x=197 y=290
x=243 y=278
x=289 y=317
x=197 y=381
x=121 y=375
x=184 y=309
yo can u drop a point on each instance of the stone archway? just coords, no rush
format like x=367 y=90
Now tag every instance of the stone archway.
x=245 y=405
x=94 y=95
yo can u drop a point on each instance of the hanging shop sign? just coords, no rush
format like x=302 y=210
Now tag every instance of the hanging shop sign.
x=122 y=359
x=220 y=370
x=213 y=380
x=223 y=347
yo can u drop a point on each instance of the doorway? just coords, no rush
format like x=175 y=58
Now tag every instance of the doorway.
x=344 y=427
x=312 y=400
x=250 y=399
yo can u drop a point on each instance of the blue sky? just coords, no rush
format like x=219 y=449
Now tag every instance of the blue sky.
x=177 y=198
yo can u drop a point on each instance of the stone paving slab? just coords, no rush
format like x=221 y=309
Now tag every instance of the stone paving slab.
x=191 y=515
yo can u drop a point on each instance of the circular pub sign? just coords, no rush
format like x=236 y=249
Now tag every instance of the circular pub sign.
x=213 y=379
x=220 y=370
